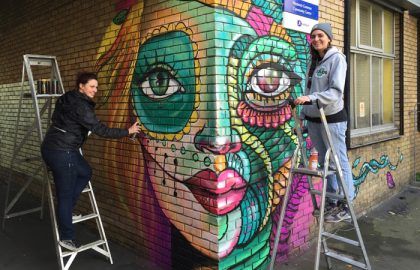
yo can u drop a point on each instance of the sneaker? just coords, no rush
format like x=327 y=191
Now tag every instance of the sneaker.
x=330 y=207
x=69 y=244
x=76 y=217
x=343 y=215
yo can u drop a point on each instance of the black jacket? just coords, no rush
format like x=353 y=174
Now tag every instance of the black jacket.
x=73 y=117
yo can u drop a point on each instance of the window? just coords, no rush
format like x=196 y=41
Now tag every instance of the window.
x=373 y=69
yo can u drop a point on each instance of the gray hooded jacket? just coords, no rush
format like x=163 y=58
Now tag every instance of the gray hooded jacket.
x=327 y=85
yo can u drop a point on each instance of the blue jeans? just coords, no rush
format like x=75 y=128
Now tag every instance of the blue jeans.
x=71 y=174
x=338 y=135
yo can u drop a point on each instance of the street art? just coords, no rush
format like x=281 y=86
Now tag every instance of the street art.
x=208 y=81
x=374 y=166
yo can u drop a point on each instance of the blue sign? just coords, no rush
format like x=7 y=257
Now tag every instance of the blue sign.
x=300 y=15
x=301 y=8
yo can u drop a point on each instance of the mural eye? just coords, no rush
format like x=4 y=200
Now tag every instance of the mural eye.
x=159 y=84
x=269 y=82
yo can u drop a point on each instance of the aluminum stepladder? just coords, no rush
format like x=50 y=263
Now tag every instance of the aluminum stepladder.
x=101 y=246
x=48 y=62
x=300 y=166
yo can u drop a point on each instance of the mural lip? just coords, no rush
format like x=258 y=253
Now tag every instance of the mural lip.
x=219 y=194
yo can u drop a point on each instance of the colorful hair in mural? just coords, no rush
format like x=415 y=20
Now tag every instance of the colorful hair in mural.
x=208 y=81
x=374 y=166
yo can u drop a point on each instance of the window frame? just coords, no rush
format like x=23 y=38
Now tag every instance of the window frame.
x=370 y=51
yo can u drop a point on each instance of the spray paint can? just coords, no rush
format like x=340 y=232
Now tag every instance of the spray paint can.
x=313 y=159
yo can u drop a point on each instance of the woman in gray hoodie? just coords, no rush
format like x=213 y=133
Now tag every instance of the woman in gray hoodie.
x=326 y=80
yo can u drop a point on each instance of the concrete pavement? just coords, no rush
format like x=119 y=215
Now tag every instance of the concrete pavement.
x=27 y=244
x=391 y=233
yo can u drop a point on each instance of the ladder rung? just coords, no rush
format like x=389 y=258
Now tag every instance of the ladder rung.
x=85 y=217
x=85 y=247
x=328 y=194
x=341 y=239
x=306 y=171
x=24 y=212
x=346 y=259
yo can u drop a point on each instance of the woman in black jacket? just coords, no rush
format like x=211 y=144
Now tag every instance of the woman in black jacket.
x=73 y=118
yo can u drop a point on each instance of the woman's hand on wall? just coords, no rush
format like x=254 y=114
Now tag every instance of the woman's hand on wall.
x=135 y=128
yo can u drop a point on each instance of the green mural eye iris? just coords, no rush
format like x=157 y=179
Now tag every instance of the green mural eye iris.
x=160 y=84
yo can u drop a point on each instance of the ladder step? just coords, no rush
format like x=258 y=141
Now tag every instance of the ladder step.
x=84 y=247
x=328 y=194
x=85 y=217
x=48 y=95
x=306 y=171
x=341 y=239
x=346 y=259
x=24 y=212
x=29 y=95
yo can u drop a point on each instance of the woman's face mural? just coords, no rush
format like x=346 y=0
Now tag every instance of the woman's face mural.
x=209 y=87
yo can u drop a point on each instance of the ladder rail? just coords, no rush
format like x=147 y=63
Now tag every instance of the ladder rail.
x=34 y=99
x=99 y=223
x=321 y=243
x=344 y=187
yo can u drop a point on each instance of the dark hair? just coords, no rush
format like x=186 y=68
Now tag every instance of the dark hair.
x=84 y=77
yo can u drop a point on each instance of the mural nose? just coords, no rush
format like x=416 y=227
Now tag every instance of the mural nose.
x=218 y=141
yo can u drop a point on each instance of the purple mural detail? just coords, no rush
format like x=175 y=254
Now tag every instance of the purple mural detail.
x=298 y=191
x=309 y=143
x=260 y=22
x=390 y=180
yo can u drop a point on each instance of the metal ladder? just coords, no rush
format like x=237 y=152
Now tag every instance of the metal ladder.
x=18 y=157
x=65 y=258
x=300 y=166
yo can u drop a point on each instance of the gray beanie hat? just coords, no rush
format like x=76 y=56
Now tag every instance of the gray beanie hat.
x=325 y=27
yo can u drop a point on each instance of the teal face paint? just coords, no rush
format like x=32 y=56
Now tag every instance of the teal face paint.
x=163 y=83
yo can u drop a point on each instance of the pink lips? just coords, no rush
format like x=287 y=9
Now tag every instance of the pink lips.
x=218 y=194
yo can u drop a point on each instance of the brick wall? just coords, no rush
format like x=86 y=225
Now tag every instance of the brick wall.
x=153 y=193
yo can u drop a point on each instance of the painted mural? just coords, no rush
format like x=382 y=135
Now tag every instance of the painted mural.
x=208 y=82
x=374 y=166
